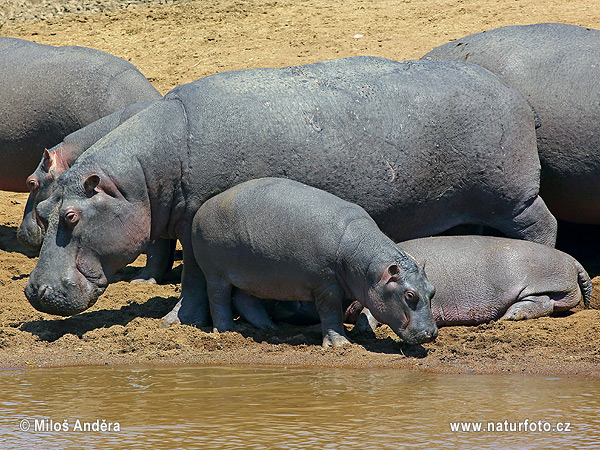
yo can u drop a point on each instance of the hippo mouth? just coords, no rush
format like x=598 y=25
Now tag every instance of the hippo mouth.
x=31 y=232
x=69 y=296
x=414 y=337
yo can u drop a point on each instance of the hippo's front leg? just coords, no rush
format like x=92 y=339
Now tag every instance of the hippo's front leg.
x=329 y=307
x=159 y=260
x=192 y=307
x=530 y=307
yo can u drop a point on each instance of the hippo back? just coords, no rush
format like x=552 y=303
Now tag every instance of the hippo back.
x=49 y=92
x=557 y=67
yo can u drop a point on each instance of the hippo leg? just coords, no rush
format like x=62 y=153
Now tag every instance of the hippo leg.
x=252 y=310
x=192 y=307
x=329 y=307
x=535 y=223
x=530 y=307
x=366 y=323
x=219 y=299
x=160 y=255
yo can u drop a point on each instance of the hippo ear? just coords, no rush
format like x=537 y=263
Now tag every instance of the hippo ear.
x=54 y=160
x=391 y=273
x=90 y=184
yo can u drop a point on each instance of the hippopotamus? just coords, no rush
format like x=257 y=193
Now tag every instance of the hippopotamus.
x=49 y=92
x=557 y=67
x=478 y=279
x=58 y=159
x=283 y=240
x=422 y=146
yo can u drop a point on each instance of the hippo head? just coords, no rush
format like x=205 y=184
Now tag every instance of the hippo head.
x=92 y=230
x=401 y=298
x=32 y=229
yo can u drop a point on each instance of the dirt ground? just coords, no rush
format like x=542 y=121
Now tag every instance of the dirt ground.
x=177 y=42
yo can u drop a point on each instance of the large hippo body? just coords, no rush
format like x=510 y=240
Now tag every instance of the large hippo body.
x=482 y=278
x=422 y=146
x=280 y=239
x=49 y=92
x=557 y=67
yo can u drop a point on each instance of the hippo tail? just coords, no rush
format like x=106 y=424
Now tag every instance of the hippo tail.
x=585 y=284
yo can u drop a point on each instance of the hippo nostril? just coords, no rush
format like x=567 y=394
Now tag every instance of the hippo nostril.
x=42 y=292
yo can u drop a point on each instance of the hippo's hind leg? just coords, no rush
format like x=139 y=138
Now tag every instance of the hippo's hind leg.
x=252 y=310
x=219 y=299
x=192 y=307
x=159 y=260
x=535 y=223
x=329 y=307
x=530 y=307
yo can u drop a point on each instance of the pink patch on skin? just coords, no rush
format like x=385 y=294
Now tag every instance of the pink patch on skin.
x=55 y=161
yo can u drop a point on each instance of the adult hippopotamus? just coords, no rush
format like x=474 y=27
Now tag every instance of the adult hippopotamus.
x=478 y=279
x=49 y=92
x=422 y=146
x=60 y=158
x=280 y=239
x=557 y=67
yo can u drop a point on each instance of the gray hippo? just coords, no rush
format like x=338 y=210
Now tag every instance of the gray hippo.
x=280 y=239
x=60 y=158
x=557 y=67
x=49 y=92
x=478 y=279
x=422 y=146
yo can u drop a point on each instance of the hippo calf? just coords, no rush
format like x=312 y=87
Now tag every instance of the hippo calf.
x=557 y=67
x=280 y=239
x=48 y=92
x=482 y=278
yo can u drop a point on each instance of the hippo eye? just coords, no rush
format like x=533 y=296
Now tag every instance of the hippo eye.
x=33 y=184
x=71 y=217
x=410 y=297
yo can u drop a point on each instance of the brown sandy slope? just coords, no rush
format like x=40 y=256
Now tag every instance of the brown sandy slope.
x=177 y=43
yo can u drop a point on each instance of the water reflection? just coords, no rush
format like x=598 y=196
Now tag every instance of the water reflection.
x=276 y=407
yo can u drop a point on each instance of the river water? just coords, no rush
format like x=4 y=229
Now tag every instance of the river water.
x=169 y=407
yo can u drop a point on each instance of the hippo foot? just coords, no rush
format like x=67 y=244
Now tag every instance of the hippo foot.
x=140 y=277
x=366 y=323
x=224 y=326
x=530 y=307
x=333 y=339
x=186 y=315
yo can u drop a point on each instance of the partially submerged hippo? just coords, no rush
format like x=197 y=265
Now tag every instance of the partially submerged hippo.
x=62 y=156
x=422 y=146
x=48 y=92
x=478 y=279
x=280 y=239
x=557 y=67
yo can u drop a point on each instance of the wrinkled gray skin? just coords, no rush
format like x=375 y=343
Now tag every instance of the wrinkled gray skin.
x=422 y=146
x=49 y=92
x=557 y=67
x=481 y=278
x=280 y=239
x=60 y=158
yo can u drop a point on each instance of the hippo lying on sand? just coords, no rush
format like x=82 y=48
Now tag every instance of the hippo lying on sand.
x=557 y=67
x=280 y=239
x=48 y=92
x=58 y=159
x=480 y=278
x=422 y=146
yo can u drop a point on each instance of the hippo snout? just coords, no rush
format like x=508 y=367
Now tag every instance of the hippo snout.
x=419 y=336
x=59 y=302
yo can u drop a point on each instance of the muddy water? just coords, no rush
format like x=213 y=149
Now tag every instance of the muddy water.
x=275 y=407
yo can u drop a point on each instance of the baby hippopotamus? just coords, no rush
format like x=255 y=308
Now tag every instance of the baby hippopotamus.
x=280 y=239
x=482 y=278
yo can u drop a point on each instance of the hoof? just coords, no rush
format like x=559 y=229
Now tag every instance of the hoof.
x=140 y=280
x=335 y=340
